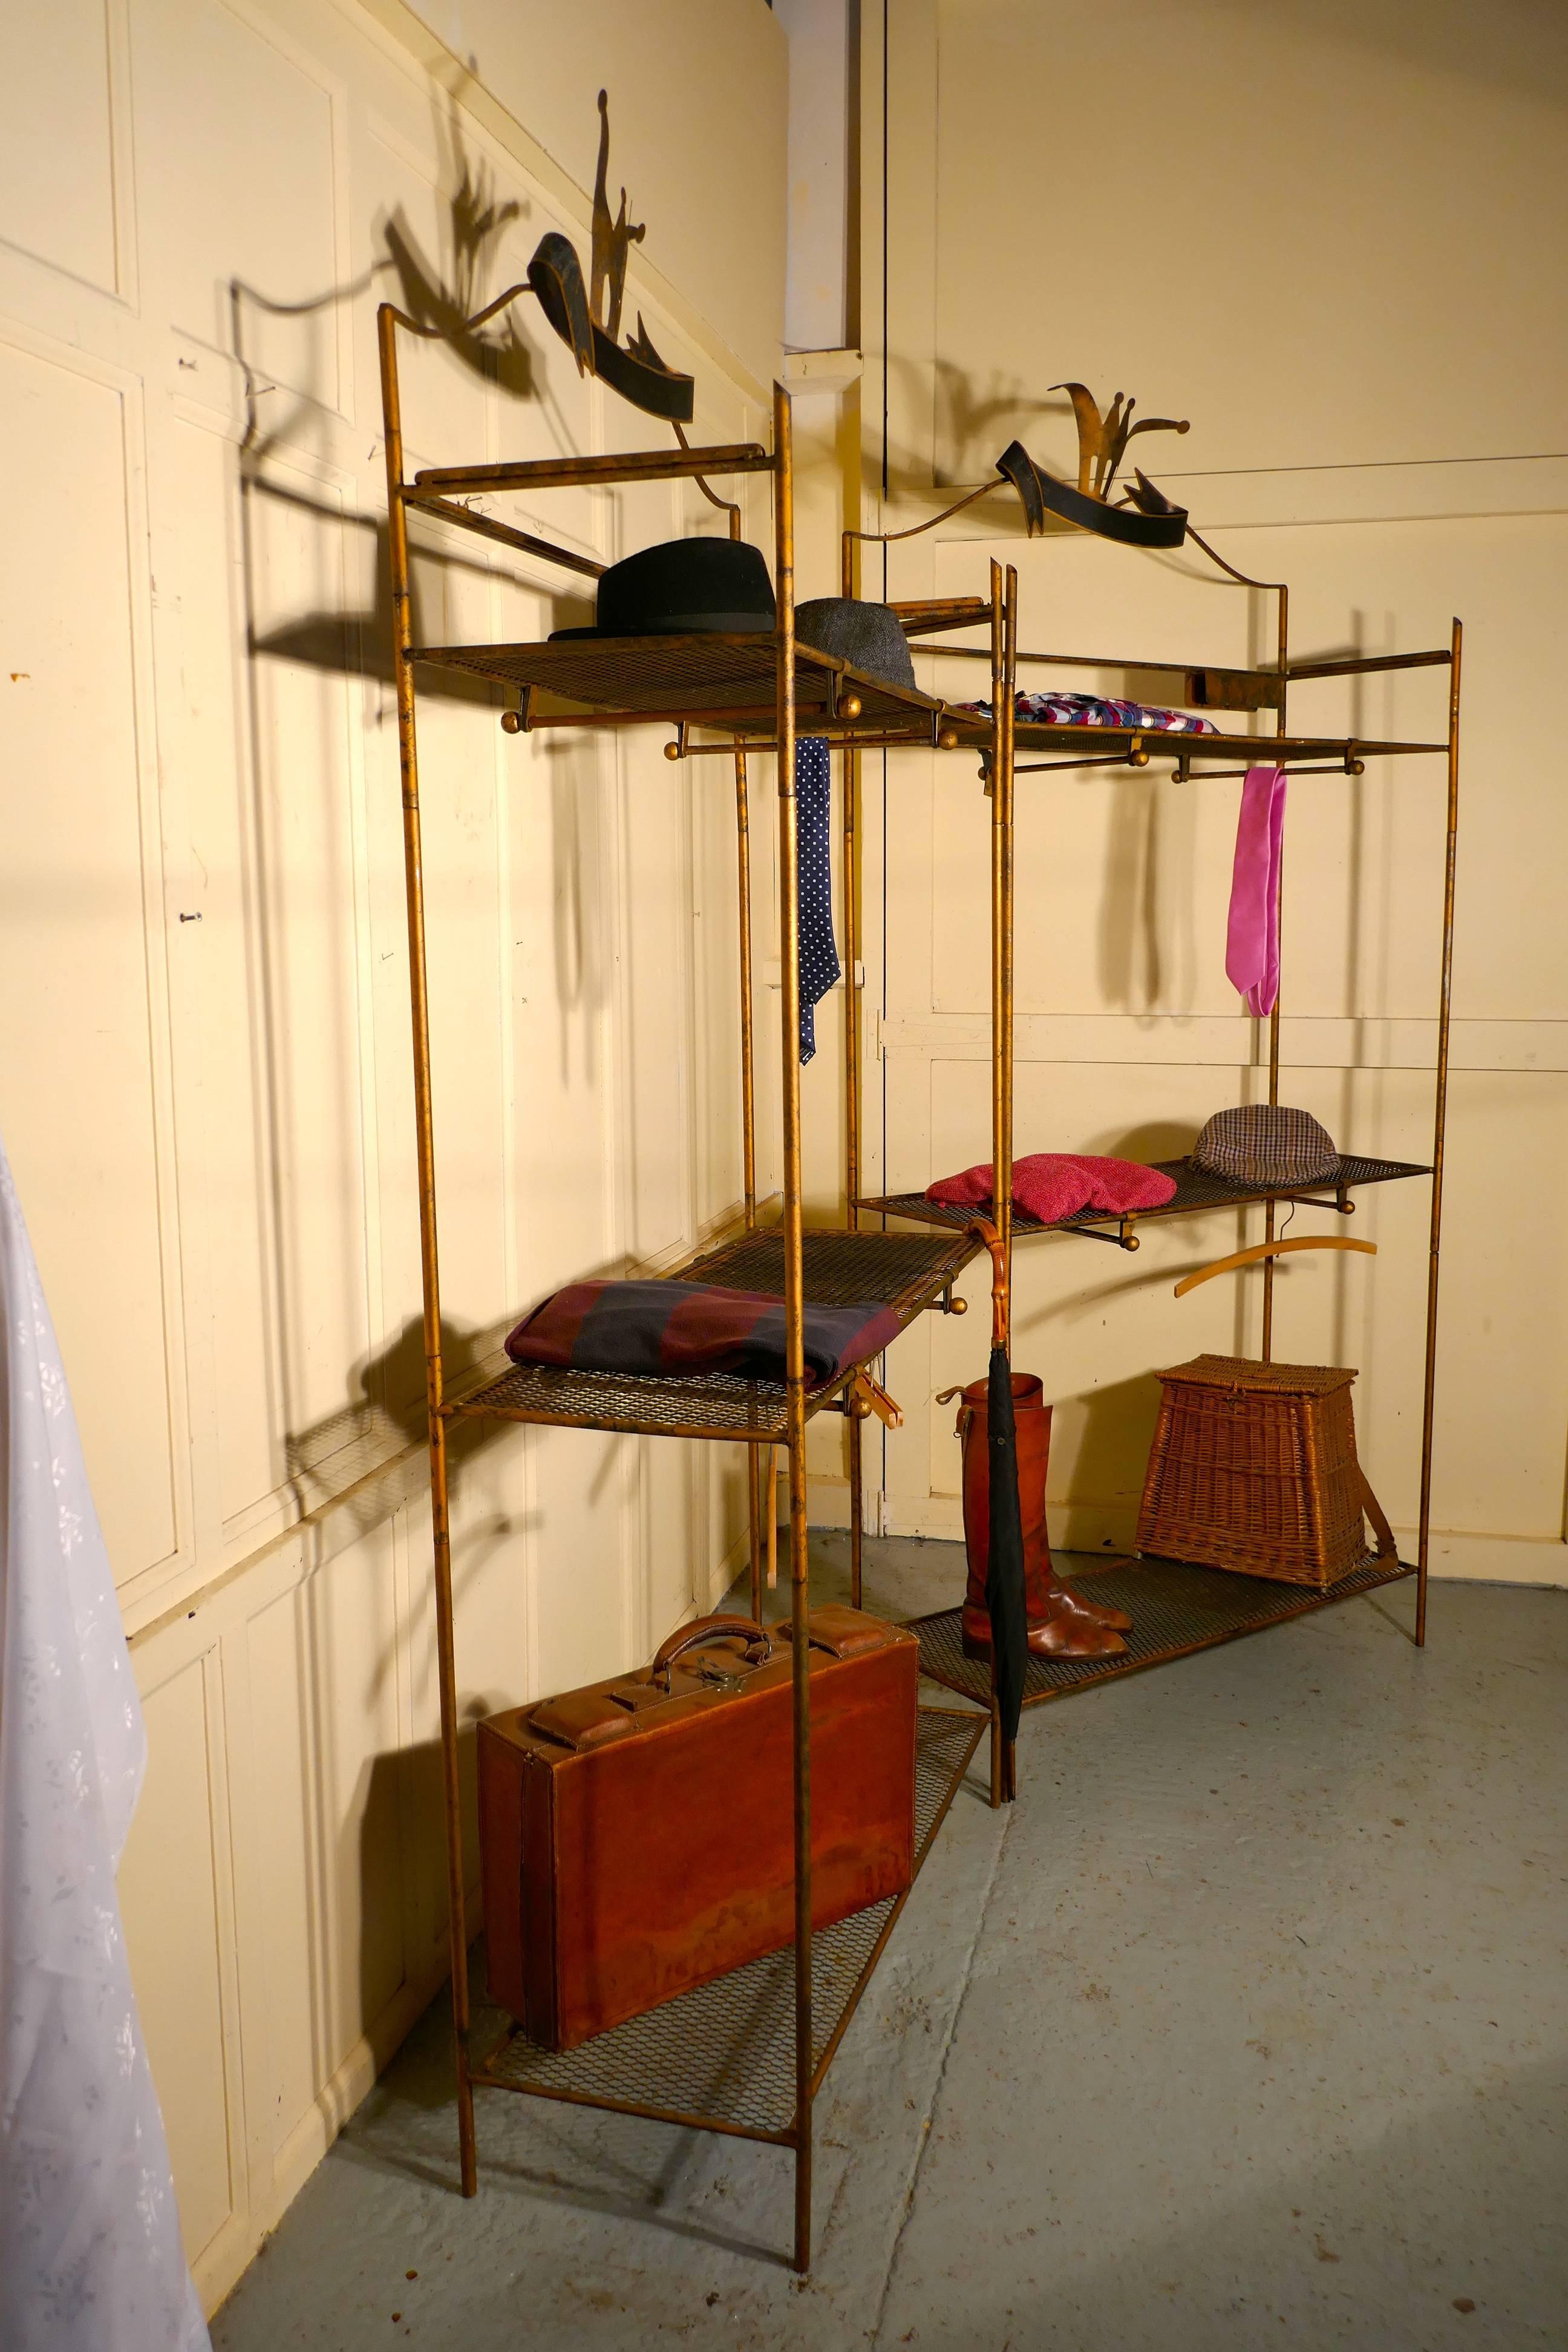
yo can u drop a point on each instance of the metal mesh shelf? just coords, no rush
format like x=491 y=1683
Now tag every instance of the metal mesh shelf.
x=722 y=2057
x=724 y=680
x=637 y=1404
x=1196 y=1191
x=1175 y=1608
x=904 y=1271
x=973 y=734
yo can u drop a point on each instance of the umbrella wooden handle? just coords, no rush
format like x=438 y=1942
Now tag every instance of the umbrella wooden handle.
x=999 y=1300
x=1272 y=1249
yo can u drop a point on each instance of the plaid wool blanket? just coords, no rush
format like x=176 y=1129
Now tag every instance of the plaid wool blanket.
x=693 y=1327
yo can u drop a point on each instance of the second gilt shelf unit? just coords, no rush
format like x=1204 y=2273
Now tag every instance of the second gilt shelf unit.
x=1176 y=1608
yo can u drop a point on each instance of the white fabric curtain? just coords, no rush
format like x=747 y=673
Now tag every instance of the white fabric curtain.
x=90 y=2259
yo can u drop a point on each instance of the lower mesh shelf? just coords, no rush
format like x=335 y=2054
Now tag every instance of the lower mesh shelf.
x=907 y=1272
x=722 y=2057
x=1175 y=1608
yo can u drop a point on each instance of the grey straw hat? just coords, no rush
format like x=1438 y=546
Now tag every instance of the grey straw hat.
x=869 y=637
x=1266 y=1144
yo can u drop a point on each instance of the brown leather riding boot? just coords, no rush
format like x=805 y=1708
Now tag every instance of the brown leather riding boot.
x=1061 y=1623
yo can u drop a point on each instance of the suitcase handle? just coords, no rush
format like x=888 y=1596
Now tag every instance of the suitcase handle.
x=707 y=1628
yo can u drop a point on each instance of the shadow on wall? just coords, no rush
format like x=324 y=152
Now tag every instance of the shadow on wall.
x=387 y=1421
x=1131 y=968
x=358 y=1465
x=347 y=634
x=970 y=428
x=398 y=1821
x=973 y=425
x=441 y=294
x=1107 y=1435
x=1153 y=1138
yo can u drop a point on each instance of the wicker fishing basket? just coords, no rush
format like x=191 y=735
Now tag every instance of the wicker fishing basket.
x=1254 y=1468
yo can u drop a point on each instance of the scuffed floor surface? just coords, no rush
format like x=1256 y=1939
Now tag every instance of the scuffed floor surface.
x=1248 y=2025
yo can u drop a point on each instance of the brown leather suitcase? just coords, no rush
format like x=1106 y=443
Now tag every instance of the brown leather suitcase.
x=637 y=1836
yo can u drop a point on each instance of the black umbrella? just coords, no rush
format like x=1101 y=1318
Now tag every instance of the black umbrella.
x=1005 y=1600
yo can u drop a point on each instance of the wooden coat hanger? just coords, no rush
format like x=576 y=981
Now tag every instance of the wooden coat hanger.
x=1272 y=1249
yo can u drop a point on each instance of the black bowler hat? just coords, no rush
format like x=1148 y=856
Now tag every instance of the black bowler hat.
x=869 y=637
x=682 y=587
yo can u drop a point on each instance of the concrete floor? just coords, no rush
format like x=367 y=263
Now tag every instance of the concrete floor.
x=1245 y=2026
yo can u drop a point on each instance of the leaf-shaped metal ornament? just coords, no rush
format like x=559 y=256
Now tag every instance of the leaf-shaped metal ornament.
x=1110 y=435
x=1148 y=496
x=640 y=346
x=555 y=275
x=639 y=376
x=1159 y=424
x=1086 y=410
x=1114 y=455
x=1015 y=466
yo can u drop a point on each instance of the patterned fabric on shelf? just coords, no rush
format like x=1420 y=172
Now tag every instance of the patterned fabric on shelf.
x=1098 y=711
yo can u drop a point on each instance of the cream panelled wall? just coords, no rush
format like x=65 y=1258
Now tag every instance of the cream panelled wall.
x=205 y=1074
x=1318 y=234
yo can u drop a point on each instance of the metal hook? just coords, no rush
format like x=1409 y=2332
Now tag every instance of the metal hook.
x=519 y=721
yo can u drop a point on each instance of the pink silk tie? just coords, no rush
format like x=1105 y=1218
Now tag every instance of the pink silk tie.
x=1252 y=937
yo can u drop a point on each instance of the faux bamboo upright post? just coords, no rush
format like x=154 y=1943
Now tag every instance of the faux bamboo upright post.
x=854 y=1423
x=795 y=1346
x=1004 y=670
x=754 y=1459
x=1282 y=659
x=1440 y=1135
x=387 y=322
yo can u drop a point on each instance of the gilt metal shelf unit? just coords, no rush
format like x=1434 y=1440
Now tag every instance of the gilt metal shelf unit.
x=760 y=690
x=1183 y=1609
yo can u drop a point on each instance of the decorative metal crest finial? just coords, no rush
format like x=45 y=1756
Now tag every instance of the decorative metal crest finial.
x=1102 y=440
x=613 y=239
x=589 y=320
x=1154 y=521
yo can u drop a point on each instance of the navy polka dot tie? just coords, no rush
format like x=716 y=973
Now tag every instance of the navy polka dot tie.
x=819 y=967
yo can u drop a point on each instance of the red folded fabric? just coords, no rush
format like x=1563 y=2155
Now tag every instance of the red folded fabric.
x=1051 y=1185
